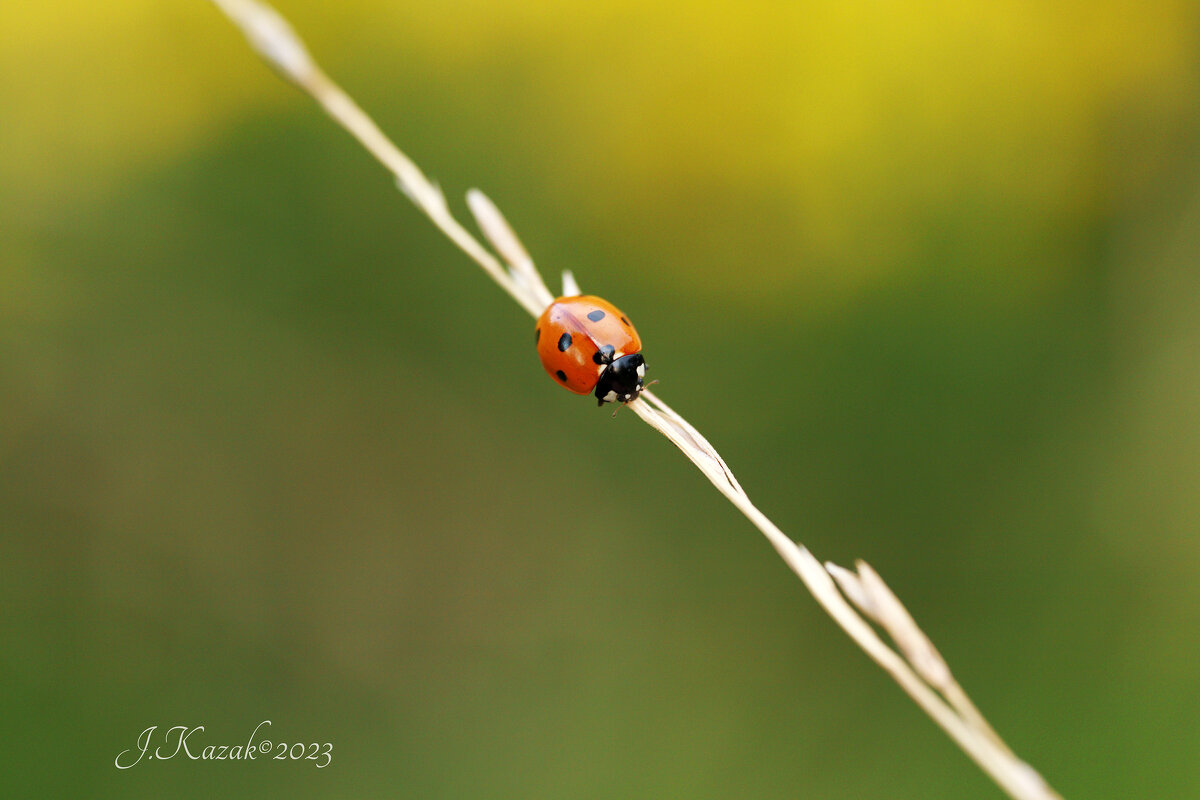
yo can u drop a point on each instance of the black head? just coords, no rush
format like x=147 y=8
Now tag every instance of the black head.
x=622 y=381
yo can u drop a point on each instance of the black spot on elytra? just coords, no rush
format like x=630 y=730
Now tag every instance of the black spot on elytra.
x=562 y=376
x=596 y=316
x=604 y=355
x=625 y=321
x=564 y=342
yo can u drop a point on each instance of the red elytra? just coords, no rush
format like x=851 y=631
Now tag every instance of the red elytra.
x=583 y=341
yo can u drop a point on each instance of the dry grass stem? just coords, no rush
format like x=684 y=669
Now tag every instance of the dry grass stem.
x=915 y=663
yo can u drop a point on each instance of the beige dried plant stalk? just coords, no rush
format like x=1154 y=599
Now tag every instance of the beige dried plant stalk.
x=914 y=663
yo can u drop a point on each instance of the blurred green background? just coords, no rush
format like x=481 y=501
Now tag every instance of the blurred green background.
x=270 y=448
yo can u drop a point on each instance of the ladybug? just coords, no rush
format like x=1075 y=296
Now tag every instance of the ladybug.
x=588 y=345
